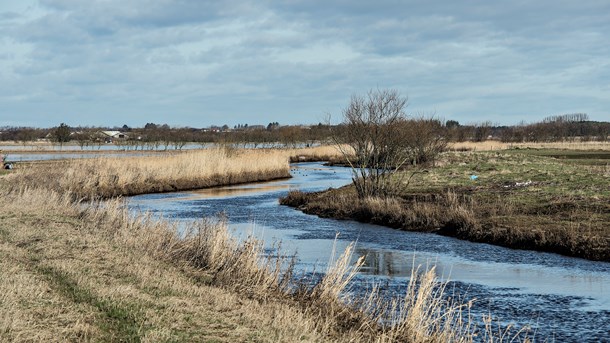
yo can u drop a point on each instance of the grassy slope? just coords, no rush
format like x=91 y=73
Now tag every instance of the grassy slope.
x=67 y=281
x=521 y=199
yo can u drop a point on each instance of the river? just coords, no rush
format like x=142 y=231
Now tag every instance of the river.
x=561 y=299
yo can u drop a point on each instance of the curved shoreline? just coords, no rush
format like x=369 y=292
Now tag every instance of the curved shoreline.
x=441 y=217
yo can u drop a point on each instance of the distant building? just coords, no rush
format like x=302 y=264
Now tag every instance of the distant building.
x=109 y=136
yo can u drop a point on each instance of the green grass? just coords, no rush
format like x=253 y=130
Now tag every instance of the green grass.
x=527 y=199
x=120 y=322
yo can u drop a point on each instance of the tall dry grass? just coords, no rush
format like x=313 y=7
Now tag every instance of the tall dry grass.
x=423 y=315
x=440 y=212
x=491 y=145
x=319 y=153
x=108 y=177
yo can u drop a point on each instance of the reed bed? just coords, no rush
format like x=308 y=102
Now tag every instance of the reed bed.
x=314 y=154
x=109 y=177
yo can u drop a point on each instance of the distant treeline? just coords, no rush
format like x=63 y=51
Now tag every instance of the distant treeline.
x=162 y=136
x=568 y=127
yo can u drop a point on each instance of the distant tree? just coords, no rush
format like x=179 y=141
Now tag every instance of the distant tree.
x=482 y=131
x=452 y=124
x=273 y=125
x=62 y=134
x=84 y=137
x=26 y=135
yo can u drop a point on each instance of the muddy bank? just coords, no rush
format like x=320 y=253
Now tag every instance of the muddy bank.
x=457 y=215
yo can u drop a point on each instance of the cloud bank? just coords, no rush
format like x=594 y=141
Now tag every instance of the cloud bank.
x=196 y=63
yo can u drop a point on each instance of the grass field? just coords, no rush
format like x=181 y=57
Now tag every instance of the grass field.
x=549 y=200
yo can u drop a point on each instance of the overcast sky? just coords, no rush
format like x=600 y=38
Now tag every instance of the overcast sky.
x=196 y=63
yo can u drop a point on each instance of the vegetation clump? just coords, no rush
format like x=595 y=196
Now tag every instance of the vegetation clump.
x=107 y=177
x=377 y=139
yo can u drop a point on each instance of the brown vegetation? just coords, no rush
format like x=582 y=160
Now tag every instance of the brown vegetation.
x=493 y=145
x=107 y=177
x=519 y=201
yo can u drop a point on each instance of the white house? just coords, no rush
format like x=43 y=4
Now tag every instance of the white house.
x=114 y=134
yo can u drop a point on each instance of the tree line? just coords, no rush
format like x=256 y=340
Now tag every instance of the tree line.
x=162 y=136
x=566 y=127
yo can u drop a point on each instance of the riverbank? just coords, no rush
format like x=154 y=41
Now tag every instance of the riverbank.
x=75 y=272
x=546 y=200
x=70 y=274
x=107 y=177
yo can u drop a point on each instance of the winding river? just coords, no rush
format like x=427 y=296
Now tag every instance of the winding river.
x=561 y=299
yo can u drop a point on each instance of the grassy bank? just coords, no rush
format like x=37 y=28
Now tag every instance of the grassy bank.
x=108 y=177
x=492 y=145
x=93 y=273
x=546 y=200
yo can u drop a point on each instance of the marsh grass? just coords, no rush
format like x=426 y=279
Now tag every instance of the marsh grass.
x=93 y=272
x=109 y=177
x=492 y=145
x=326 y=153
x=518 y=200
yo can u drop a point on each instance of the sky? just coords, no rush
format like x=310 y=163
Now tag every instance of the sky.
x=197 y=63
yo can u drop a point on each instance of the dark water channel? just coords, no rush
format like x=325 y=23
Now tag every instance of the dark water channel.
x=561 y=299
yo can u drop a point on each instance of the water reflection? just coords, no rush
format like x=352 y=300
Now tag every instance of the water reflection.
x=380 y=262
x=221 y=192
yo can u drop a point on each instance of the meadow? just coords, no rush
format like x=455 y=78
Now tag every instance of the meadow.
x=86 y=270
x=539 y=199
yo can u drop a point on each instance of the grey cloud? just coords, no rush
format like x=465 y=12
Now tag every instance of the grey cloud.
x=9 y=16
x=201 y=58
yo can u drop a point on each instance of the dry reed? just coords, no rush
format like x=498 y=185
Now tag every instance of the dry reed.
x=108 y=177
x=492 y=145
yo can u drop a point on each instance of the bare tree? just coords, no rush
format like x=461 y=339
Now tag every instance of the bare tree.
x=424 y=138
x=371 y=140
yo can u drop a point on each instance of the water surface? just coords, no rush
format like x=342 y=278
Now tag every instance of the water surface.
x=560 y=298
